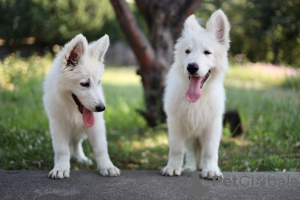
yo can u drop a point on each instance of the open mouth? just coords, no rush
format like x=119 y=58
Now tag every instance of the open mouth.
x=87 y=115
x=194 y=92
x=204 y=79
x=79 y=104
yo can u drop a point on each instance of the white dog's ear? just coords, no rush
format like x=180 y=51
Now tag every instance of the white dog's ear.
x=219 y=25
x=98 y=49
x=75 y=49
x=191 y=23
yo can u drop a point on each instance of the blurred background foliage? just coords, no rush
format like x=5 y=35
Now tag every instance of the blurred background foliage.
x=267 y=31
x=53 y=22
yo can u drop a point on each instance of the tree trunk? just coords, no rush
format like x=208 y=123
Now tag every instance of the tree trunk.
x=164 y=19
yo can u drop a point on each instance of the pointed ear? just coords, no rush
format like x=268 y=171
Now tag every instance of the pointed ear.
x=75 y=50
x=218 y=24
x=191 y=23
x=98 y=49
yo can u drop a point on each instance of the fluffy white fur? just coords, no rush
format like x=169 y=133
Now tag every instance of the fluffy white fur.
x=66 y=124
x=197 y=127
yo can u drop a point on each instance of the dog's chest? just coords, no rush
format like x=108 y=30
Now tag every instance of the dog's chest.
x=197 y=115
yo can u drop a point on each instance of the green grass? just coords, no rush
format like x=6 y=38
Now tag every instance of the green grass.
x=267 y=100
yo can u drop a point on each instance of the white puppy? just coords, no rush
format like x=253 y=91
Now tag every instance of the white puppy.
x=74 y=101
x=195 y=97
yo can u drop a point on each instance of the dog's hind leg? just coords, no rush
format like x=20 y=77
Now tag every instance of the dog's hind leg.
x=77 y=151
x=198 y=149
x=190 y=154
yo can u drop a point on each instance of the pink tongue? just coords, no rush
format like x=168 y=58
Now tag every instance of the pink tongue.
x=194 y=91
x=88 y=117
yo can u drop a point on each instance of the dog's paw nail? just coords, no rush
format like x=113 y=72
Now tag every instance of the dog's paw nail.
x=210 y=174
x=59 y=174
x=111 y=171
x=171 y=171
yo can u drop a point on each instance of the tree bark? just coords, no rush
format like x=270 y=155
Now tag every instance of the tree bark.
x=165 y=20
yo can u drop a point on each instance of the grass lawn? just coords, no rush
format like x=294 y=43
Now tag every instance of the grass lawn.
x=267 y=97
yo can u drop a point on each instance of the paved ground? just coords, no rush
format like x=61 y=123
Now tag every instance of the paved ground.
x=142 y=185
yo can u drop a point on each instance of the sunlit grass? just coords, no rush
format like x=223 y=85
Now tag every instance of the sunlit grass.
x=269 y=108
x=15 y=71
x=260 y=76
x=266 y=97
x=121 y=76
x=159 y=139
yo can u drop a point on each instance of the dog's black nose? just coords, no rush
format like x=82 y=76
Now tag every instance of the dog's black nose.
x=192 y=68
x=100 y=108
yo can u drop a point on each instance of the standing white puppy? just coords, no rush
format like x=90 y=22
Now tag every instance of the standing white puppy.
x=74 y=102
x=195 y=97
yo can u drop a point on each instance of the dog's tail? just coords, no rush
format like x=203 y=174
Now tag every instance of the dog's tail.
x=233 y=118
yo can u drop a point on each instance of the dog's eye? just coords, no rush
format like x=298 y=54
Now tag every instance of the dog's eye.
x=207 y=52
x=187 y=51
x=99 y=82
x=87 y=84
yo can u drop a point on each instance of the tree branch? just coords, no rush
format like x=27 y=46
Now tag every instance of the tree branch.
x=143 y=6
x=179 y=12
x=137 y=40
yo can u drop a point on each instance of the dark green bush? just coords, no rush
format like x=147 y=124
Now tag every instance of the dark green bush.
x=56 y=21
x=266 y=31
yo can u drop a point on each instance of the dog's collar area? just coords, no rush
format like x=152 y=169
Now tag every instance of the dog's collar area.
x=79 y=104
x=204 y=78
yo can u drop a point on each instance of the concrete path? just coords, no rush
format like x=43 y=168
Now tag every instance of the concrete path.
x=142 y=185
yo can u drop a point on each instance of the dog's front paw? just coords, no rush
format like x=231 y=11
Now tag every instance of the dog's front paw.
x=110 y=171
x=171 y=171
x=59 y=173
x=209 y=174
